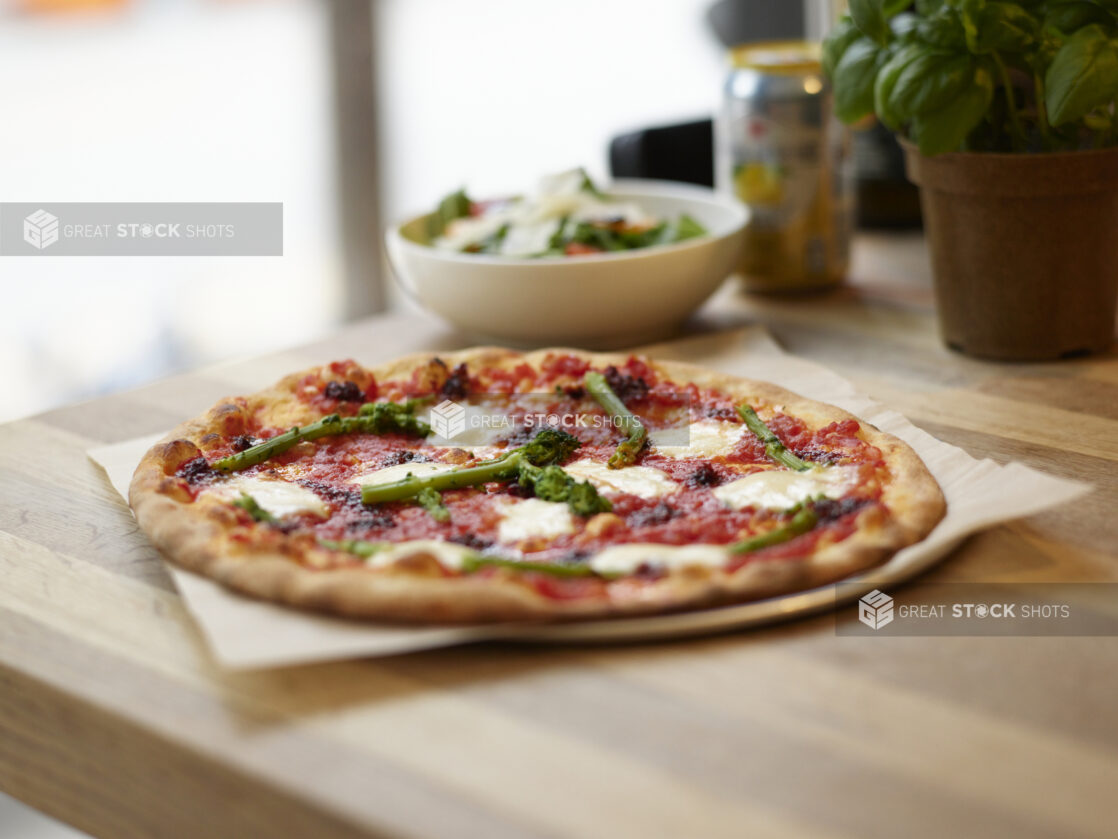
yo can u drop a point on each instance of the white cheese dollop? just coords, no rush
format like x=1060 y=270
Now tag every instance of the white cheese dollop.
x=279 y=498
x=449 y=554
x=779 y=489
x=643 y=481
x=705 y=438
x=626 y=559
x=400 y=471
x=533 y=518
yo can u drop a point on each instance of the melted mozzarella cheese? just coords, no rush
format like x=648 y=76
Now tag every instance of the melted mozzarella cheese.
x=279 y=498
x=449 y=554
x=779 y=489
x=705 y=438
x=532 y=518
x=626 y=559
x=643 y=481
x=400 y=471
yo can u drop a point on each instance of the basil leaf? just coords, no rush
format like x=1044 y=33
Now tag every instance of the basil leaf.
x=1067 y=18
x=854 y=79
x=945 y=129
x=943 y=29
x=842 y=35
x=1082 y=76
x=997 y=27
x=887 y=79
x=903 y=25
x=926 y=8
x=928 y=83
x=870 y=17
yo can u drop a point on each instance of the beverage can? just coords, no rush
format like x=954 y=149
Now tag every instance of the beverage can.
x=783 y=153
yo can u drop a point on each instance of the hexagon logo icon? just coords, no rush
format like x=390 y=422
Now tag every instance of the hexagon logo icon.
x=875 y=609
x=40 y=229
x=448 y=419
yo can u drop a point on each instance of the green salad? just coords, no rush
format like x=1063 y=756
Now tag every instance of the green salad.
x=567 y=215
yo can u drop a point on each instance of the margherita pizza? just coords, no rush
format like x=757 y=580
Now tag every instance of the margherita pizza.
x=585 y=485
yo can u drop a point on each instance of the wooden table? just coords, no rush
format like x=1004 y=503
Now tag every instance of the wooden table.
x=114 y=718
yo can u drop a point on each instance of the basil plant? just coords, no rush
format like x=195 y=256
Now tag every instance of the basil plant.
x=980 y=75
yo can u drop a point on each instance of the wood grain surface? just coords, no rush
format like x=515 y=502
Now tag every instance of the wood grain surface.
x=114 y=718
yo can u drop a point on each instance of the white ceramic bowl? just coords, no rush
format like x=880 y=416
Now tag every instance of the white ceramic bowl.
x=598 y=300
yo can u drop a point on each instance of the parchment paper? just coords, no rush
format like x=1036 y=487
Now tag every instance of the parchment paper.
x=245 y=633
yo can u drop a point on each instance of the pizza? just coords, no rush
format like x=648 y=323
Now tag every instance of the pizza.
x=489 y=485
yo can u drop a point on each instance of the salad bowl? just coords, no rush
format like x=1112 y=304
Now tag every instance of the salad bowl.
x=597 y=300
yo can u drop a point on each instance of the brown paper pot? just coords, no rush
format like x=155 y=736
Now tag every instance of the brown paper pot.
x=1024 y=250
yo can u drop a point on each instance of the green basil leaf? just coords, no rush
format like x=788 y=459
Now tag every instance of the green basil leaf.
x=1067 y=18
x=842 y=35
x=854 y=79
x=926 y=8
x=887 y=79
x=997 y=27
x=943 y=29
x=904 y=25
x=944 y=130
x=929 y=83
x=1082 y=76
x=870 y=17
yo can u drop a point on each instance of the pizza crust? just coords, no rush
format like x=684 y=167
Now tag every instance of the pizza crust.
x=195 y=534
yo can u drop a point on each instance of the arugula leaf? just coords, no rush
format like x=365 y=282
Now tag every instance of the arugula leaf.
x=454 y=206
x=491 y=243
x=688 y=228
x=588 y=185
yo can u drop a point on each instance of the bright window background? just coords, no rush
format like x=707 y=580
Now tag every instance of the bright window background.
x=493 y=93
x=201 y=100
x=163 y=101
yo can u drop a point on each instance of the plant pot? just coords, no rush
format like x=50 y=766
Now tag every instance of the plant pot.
x=1024 y=250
